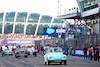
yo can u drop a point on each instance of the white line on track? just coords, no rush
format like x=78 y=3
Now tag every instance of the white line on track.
x=23 y=61
x=35 y=65
x=2 y=66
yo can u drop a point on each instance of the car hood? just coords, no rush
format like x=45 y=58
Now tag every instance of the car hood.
x=55 y=55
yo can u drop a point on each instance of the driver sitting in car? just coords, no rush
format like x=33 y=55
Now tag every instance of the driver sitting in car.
x=50 y=50
x=56 y=45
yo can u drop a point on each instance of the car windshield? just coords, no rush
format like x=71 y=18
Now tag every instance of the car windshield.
x=20 y=49
x=29 y=49
x=7 y=50
x=55 y=49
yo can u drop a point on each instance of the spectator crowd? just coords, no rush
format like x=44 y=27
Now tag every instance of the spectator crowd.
x=23 y=36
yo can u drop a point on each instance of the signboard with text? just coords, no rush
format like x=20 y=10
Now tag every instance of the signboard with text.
x=17 y=41
x=54 y=31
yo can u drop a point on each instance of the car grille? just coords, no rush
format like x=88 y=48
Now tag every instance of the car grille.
x=22 y=52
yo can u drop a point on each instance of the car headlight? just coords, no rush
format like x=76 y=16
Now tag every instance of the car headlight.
x=17 y=52
x=64 y=56
x=50 y=57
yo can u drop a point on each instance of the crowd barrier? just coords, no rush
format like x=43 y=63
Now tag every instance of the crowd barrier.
x=76 y=52
x=79 y=52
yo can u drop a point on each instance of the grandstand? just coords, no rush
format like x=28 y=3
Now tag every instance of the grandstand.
x=25 y=24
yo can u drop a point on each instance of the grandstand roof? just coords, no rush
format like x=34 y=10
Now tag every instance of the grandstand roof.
x=26 y=22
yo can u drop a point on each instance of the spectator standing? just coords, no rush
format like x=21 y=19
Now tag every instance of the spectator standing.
x=40 y=51
x=14 y=47
x=97 y=52
x=10 y=47
x=70 y=50
x=44 y=48
x=67 y=50
x=94 y=52
x=36 y=48
x=90 y=53
x=1 y=49
x=85 y=52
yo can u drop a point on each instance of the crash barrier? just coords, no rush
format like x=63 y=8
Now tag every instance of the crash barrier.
x=76 y=52
x=17 y=42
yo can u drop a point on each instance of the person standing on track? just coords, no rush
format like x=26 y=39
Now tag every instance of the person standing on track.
x=90 y=53
x=70 y=50
x=97 y=52
x=85 y=52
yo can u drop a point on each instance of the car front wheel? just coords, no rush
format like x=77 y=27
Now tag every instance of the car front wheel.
x=45 y=63
x=60 y=63
x=35 y=54
x=16 y=56
x=48 y=63
x=65 y=62
x=25 y=56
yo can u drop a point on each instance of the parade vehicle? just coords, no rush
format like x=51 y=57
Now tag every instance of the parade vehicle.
x=54 y=55
x=21 y=52
x=7 y=52
x=31 y=51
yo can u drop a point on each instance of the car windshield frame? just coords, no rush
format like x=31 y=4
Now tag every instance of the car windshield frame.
x=29 y=49
x=54 y=49
x=21 y=49
x=7 y=50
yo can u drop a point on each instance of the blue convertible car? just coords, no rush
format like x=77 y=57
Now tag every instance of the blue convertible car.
x=54 y=55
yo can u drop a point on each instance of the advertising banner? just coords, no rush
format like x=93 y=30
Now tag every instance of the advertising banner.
x=53 y=31
x=17 y=42
x=56 y=31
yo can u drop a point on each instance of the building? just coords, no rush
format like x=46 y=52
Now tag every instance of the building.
x=26 y=22
x=88 y=17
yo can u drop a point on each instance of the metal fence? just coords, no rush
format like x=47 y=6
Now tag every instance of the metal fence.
x=84 y=40
x=80 y=42
x=50 y=41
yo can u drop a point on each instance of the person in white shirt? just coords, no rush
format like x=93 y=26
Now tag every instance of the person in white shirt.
x=44 y=49
x=33 y=49
x=3 y=48
x=10 y=47
x=14 y=47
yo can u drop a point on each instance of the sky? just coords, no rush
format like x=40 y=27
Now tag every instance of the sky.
x=45 y=7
